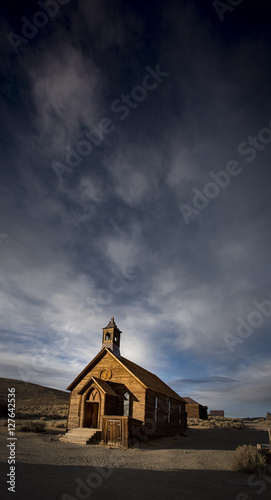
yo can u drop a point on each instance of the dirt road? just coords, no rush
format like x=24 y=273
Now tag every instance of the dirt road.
x=196 y=467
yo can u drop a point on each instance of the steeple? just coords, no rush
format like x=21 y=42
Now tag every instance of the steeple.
x=111 y=337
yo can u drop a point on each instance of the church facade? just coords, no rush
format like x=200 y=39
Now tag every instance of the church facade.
x=116 y=397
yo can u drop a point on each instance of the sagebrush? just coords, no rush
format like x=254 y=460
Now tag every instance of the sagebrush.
x=248 y=459
x=32 y=426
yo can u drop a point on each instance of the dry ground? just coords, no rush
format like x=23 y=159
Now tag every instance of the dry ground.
x=196 y=467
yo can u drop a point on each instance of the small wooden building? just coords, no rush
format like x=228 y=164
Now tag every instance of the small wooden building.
x=195 y=410
x=216 y=413
x=119 y=399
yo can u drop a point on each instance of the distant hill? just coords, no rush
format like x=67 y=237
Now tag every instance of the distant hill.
x=28 y=394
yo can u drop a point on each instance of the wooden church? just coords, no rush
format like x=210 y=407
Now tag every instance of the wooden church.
x=116 y=401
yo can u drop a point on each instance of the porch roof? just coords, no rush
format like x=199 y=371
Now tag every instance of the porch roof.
x=102 y=385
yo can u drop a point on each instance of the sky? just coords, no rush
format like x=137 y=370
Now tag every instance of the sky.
x=135 y=183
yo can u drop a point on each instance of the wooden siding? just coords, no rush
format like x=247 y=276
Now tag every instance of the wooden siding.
x=192 y=410
x=120 y=381
x=195 y=409
x=217 y=413
x=119 y=430
x=74 y=410
x=161 y=424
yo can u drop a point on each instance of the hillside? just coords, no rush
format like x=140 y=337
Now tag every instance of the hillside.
x=33 y=394
x=33 y=400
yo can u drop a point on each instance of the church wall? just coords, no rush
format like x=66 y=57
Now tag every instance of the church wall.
x=112 y=406
x=74 y=410
x=157 y=423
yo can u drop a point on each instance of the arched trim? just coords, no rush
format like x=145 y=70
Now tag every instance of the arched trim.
x=91 y=408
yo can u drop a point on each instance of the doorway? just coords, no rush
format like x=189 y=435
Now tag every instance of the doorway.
x=91 y=415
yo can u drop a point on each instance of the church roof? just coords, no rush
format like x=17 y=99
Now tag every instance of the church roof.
x=146 y=378
x=150 y=380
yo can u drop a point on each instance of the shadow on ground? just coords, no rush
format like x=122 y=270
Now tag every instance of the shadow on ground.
x=43 y=482
x=211 y=439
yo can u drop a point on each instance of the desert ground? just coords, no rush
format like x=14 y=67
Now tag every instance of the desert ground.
x=192 y=467
x=196 y=466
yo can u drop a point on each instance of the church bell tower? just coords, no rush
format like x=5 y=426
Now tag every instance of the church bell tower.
x=111 y=337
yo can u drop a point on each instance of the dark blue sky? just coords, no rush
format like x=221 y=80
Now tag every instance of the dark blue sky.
x=135 y=183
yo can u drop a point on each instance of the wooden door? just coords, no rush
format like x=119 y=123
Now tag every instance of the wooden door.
x=91 y=415
x=114 y=431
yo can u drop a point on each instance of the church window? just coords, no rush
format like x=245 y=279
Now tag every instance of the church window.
x=156 y=409
x=169 y=410
x=126 y=404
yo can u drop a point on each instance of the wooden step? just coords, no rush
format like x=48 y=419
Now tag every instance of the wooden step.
x=82 y=433
x=82 y=436
x=85 y=429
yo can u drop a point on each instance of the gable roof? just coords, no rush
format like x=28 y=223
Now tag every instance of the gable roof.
x=147 y=379
x=191 y=401
x=105 y=388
